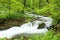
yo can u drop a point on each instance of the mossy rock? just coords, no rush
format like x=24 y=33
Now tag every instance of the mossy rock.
x=41 y=26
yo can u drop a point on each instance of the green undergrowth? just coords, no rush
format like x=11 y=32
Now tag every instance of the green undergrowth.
x=48 y=36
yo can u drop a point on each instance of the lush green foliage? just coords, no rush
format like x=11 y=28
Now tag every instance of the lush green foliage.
x=16 y=9
x=48 y=36
x=48 y=8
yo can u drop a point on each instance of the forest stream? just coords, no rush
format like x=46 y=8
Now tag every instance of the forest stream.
x=29 y=27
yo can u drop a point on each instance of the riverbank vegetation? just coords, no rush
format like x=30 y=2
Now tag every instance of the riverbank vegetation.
x=12 y=13
x=48 y=36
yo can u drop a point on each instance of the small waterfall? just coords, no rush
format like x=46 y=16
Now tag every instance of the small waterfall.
x=46 y=20
x=28 y=28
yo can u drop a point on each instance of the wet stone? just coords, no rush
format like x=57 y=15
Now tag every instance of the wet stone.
x=41 y=26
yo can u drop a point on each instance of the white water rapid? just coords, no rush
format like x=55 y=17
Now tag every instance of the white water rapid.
x=28 y=28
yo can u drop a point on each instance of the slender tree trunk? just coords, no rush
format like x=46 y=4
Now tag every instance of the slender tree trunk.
x=39 y=4
x=24 y=5
x=9 y=6
x=33 y=5
x=47 y=1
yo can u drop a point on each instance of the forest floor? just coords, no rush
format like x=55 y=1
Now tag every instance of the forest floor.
x=10 y=23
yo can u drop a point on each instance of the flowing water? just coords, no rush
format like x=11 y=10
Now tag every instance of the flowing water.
x=28 y=28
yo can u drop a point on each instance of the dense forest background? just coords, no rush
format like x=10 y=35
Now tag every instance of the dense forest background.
x=13 y=13
x=15 y=10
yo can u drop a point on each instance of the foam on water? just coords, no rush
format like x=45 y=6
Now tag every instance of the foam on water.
x=28 y=28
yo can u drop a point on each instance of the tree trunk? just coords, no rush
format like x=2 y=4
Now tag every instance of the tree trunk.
x=47 y=1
